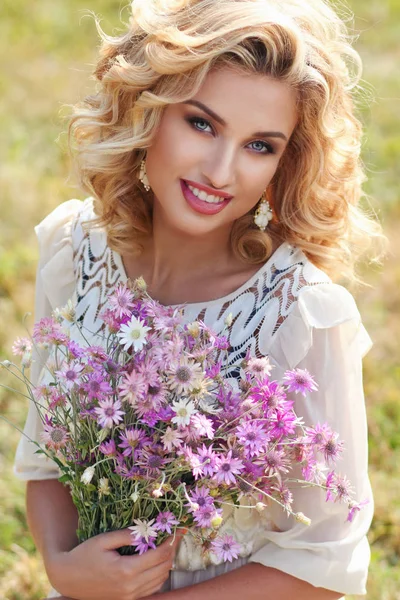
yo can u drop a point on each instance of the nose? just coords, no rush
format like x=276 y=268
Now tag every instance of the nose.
x=220 y=166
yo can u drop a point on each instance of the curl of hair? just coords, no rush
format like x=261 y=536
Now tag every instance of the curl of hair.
x=164 y=56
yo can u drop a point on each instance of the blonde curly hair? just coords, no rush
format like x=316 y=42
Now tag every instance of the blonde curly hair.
x=164 y=56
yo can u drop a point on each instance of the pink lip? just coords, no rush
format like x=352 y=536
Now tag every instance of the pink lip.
x=205 y=208
x=210 y=191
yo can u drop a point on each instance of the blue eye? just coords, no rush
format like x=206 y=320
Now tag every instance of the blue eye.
x=262 y=147
x=200 y=124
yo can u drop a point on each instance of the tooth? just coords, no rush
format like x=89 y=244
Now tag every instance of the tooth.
x=203 y=195
x=196 y=192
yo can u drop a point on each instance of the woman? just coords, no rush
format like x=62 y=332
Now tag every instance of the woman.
x=221 y=153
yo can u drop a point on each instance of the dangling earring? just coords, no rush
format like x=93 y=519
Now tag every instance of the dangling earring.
x=143 y=176
x=263 y=214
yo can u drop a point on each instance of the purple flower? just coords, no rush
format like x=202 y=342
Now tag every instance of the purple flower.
x=331 y=448
x=70 y=374
x=226 y=548
x=108 y=448
x=96 y=387
x=109 y=413
x=319 y=434
x=48 y=331
x=274 y=460
x=142 y=545
x=204 y=515
x=201 y=497
x=299 y=381
x=338 y=488
x=252 y=436
x=355 y=507
x=205 y=462
x=131 y=439
x=227 y=467
x=165 y=520
x=74 y=350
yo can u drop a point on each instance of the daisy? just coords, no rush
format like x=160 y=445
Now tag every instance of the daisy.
x=319 y=434
x=133 y=334
x=70 y=374
x=165 y=520
x=200 y=496
x=299 y=381
x=183 y=409
x=121 y=301
x=183 y=374
x=109 y=413
x=338 y=488
x=274 y=460
x=21 y=346
x=227 y=467
x=283 y=423
x=96 y=387
x=226 y=548
x=143 y=529
x=172 y=438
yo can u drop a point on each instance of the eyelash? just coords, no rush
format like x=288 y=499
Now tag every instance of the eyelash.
x=195 y=120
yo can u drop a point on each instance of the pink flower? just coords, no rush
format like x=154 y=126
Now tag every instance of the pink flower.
x=201 y=497
x=21 y=346
x=299 y=381
x=283 y=424
x=165 y=520
x=203 y=425
x=121 y=301
x=227 y=467
x=259 y=367
x=109 y=413
x=55 y=437
x=131 y=440
x=226 y=548
x=331 y=448
x=204 y=515
x=48 y=331
x=133 y=387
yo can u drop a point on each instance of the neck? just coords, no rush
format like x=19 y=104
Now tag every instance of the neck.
x=173 y=258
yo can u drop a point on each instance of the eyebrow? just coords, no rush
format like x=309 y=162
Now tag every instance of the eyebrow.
x=221 y=121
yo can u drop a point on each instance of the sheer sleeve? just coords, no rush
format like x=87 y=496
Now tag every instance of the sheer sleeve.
x=54 y=286
x=324 y=335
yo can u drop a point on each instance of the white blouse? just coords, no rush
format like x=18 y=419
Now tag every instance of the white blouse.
x=289 y=310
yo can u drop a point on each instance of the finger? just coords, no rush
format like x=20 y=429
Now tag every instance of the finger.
x=154 y=587
x=164 y=552
x=114 y=539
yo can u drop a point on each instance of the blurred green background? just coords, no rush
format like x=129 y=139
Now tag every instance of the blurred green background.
x=47 y=49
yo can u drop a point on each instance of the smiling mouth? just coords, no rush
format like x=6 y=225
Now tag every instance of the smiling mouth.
x=206 y=194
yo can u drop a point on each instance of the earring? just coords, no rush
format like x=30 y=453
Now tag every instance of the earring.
x=263 y=214
x=143 y=176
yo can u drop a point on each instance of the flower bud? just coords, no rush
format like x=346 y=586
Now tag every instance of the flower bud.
x=260 y=507
x=301 y=518
x=229 y=320
x=216 y=521
x=141 y=285
x=87 y=475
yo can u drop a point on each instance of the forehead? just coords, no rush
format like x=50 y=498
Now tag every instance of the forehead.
x=255 y=101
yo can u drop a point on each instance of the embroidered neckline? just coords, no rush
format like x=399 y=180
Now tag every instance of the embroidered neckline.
x=250 y=283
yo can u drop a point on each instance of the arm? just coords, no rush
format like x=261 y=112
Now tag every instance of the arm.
x=252 y=582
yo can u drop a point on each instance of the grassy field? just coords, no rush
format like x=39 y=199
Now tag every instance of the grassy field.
x=46 y=52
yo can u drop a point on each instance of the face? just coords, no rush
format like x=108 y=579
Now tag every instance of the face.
x=215 y=155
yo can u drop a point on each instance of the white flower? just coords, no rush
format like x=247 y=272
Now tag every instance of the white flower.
x=133 y=334
x=143 y=529
x=134 y=496
x=87 y=475
x=184 y=409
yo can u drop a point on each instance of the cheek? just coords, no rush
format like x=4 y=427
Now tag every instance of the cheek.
x=172 y=150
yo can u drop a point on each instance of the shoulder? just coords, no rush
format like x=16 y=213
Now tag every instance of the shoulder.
x=55 y=235
x=312 y=303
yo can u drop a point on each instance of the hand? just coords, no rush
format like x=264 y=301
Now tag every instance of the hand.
x=94 y=570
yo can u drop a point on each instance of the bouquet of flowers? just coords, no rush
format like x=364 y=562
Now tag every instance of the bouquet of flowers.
x=149 y=432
